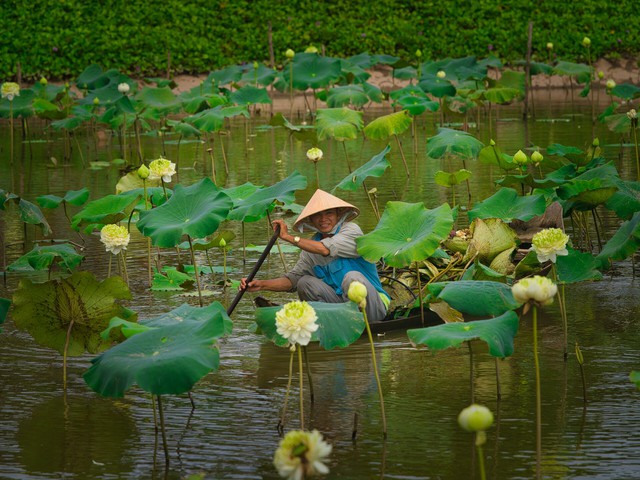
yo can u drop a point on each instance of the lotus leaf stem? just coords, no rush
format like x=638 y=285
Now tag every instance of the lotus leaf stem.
x=309 y=378
x=164 y=433
x=404 y=160
x=480 y=440
x=375 y=371
x=301 y=388
x=286 y=395
x=536 y=363
x=64 y=355
x=635 y=142
x=195 y=268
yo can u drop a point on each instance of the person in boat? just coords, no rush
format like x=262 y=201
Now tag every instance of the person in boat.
x=329 y=260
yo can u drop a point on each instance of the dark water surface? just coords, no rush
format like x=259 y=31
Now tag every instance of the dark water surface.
x=232 y=431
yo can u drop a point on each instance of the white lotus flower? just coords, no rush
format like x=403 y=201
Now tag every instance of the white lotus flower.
x=296 y=321
x=314 y=154
x=475 y=418
x=549 y=244
x=162 y=168
x=537 y=289
x=301 y=455
x=115 y=238
x=358 y=294
x=10 y=90
x=123 y=88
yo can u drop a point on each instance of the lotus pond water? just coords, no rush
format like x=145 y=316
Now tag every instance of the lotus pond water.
x=48 y=431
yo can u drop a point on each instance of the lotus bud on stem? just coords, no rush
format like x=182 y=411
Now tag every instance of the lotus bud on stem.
x=357 y=293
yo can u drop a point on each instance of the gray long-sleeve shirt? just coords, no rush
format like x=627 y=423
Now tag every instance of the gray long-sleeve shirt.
x=342 y=244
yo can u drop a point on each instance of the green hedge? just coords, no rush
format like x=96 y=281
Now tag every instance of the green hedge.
x=59 y=38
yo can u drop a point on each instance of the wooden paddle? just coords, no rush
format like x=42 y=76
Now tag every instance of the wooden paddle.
x=256 y=267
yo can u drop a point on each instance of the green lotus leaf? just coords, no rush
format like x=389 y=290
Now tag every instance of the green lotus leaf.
x=502 y=262
x=405 y=72
x=249 y=95
x=498 y=333
x=438 y=87
x=202 y=244
x=184 y=129
x=262 y=75
x=478 y=271
x=224 y=76
x=338 y=123
x=624 y=243
x=492 y=155
x=48 y=110
x=127 y=328
x=42 y=258
x=161 y=361
x=171 y=281
x=374 y=92
x=626 y=91
x=345 y=95
x=79 y=304
x=201 y=97
x=529 y=265
x=256 y=206
x=580 y=71
x=5 y=303
x=212 y=120
x=577 y=267
x=131 y=181
x=105 y=210
x=528 y=179
x=21 y=106
x=506 y=205
x=373 y=168
x=455 y=143
x=626 y=200
x=618 y=123
x=407 y=232
x=73 y=197
x=446 y=179
x=388 y=125
x=584 y=195
x=196 y=211
x=490 y=237
x=563 y=150
x=416 y=105
x=460 y=104
x=31 y=214
x=339 y=324
x=161 y=99
x=476 y=298
x=313 y=71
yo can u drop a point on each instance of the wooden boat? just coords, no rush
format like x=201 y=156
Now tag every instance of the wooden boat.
x=411 y=318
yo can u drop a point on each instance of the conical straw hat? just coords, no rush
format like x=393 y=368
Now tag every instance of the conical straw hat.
x=321 y=201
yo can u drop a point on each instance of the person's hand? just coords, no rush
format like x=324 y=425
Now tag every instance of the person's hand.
x=252 y=286
x=284 y=230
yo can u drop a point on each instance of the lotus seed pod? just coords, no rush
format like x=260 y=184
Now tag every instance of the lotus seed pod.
x=475 y=418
